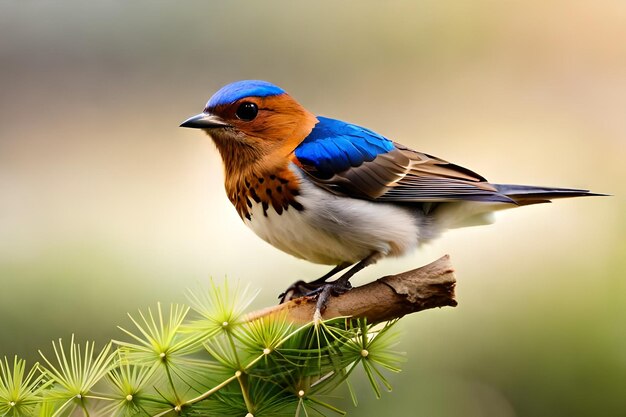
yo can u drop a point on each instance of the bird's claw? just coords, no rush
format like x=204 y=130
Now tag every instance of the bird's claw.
x=325 y=292
x=306 y=289
x=322 y=291
x=296 y=290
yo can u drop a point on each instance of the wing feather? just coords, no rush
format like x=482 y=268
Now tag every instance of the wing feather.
x=349 y=160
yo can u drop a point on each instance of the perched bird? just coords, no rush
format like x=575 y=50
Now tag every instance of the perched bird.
x=336 y=193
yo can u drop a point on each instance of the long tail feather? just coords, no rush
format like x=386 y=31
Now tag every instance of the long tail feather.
x=528 y=194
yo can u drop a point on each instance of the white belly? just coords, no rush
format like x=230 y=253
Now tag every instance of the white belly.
x=333 y=229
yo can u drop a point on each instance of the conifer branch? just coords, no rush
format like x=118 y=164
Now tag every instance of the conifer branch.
x=385 y=299
x=178 y=363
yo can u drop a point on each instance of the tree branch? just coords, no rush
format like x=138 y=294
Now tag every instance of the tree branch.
x=386 y=298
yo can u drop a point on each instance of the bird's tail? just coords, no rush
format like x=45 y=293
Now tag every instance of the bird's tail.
x=475 y=213
x=524 y=195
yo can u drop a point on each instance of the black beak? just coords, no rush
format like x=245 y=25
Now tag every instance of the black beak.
x=204 y=121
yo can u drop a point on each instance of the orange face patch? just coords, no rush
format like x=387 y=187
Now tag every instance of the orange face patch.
x=279 y=126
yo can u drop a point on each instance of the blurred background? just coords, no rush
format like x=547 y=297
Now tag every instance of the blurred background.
x=107 y=206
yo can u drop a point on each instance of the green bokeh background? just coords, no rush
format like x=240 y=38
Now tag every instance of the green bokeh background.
x=107 y=206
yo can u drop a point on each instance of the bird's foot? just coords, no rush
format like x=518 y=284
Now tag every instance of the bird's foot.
x=326 y=291
x=298 y=289
x=301 y=288
x=310 y=289
x=323 y=291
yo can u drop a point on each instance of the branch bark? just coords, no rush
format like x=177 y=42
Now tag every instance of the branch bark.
x=385 y=299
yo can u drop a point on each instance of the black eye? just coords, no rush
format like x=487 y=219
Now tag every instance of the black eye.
x=247 y=111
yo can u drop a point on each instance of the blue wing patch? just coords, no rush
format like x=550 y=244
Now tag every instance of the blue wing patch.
x=334 y=146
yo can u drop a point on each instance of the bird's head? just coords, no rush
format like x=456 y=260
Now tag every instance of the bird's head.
x=253 y=120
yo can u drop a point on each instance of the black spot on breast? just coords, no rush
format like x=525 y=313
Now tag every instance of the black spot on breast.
x=297 y=205
x=272 y=191
x=254 y=195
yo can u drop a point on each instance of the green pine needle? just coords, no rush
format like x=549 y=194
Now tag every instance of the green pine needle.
x=220 y=308
x=130 y=386
x=212 y=362
x=159 y=340
x=75 y=373
x=20 y=392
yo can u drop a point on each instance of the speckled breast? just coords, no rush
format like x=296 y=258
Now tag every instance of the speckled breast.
x=274 y=191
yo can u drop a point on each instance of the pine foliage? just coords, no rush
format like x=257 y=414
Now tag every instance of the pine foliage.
x=203 y=360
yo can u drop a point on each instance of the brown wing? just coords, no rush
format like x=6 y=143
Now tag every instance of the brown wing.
x=405 y=175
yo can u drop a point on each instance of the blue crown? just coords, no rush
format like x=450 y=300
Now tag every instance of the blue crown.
x=240 y=89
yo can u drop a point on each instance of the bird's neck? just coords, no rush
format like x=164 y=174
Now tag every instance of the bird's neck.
x=238 y=156
x=252 y=175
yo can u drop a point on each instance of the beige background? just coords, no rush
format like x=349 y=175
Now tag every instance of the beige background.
x=107 y=206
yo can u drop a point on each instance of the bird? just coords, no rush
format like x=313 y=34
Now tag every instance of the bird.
x=335 y=193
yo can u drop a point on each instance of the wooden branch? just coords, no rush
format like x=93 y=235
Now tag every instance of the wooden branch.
x=386 y=298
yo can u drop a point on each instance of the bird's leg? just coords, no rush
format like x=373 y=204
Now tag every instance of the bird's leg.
x=341 y=284
x=301 y=288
